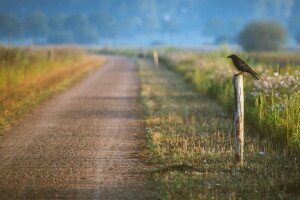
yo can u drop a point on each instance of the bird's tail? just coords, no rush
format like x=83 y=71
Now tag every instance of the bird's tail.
x=254 y=75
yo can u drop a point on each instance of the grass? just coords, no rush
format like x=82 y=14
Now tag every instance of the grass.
x=272 y=104
x=190 y=140
x=118 y=51
x=270 y=58
x=29 y=75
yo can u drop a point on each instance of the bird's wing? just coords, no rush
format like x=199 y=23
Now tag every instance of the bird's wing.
x=245 y=66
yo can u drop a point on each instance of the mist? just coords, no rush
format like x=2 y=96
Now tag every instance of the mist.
x=140 y=22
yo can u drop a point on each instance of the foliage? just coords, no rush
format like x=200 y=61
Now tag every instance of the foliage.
x=272 y=103
x=105 y=24
x=190 y=141
x=262 y=36
x=57 y=22
x=35 y=24
x=10 y=26
x=298 y=37
x=61 y=37
x=85 y=36
x=77 y=21
x=171 y=17
x=29 y=75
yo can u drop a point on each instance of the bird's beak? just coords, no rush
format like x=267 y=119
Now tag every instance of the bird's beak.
x=228 y=56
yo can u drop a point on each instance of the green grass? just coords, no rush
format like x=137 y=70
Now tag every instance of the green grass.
x=29 y=75
x=115 y=51
x=271 y=104
x=191 y=139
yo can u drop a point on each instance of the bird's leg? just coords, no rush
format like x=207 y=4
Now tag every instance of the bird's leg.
x=239 y=73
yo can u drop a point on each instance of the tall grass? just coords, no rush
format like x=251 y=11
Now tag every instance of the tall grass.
x=28 y=75
x=190 y=142
x=272 y=103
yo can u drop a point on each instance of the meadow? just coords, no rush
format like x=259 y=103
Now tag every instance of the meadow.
x=190 y=134
x=30 y=75
x=271 y=104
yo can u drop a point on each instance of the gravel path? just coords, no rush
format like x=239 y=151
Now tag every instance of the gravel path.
x=84 y=143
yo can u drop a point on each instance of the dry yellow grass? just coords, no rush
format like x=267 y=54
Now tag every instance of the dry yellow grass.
x=28 y=76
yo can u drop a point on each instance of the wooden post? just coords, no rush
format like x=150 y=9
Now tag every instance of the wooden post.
x=50 y=55
x=155 y=58
x=238 y=117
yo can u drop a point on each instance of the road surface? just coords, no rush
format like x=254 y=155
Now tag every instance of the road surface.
x=84 y=143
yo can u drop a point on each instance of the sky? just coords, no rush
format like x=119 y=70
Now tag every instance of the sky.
x=150 y=22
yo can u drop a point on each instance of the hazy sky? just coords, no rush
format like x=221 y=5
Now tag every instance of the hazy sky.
x=165 y=20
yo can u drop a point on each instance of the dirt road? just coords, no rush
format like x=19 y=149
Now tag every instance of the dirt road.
x=85 y=143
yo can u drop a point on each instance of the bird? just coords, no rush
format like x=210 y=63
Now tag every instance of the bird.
x=242 y=66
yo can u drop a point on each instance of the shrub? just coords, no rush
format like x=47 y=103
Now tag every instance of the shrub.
x=262 y=36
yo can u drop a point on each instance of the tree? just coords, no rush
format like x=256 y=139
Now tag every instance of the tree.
x=61 y=37
x=36 y=25
x=105 y=24
x=85 y=36
x=83 y=31
x=57 y=22
x=77 y=21
x=10 y=27
x=297 y=37
x=263 y=36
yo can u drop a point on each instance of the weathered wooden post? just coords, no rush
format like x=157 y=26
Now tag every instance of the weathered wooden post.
x=238 y=117
x=155 y=58
x=50 y=55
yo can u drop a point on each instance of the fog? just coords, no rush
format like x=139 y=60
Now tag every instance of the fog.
x=140 y=22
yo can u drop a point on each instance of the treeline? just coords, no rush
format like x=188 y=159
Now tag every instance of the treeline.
x=58 y=29
x=155 y=21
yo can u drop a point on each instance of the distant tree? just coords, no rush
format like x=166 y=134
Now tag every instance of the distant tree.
x=35 y=25
x=56 y=23
x=263 y=36
x=10 y=27
x=77 y=21
x=86 y=36
x=61 y=37
x=297 y=37
x=105 y=24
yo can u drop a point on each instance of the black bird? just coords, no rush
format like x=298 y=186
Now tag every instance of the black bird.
x=242 y=66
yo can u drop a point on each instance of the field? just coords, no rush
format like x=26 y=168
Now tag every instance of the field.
x=272 y=103
x=191 y=136
x=188 y=105
x=29 y=75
